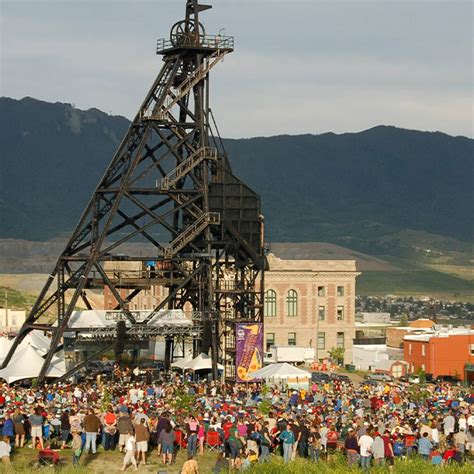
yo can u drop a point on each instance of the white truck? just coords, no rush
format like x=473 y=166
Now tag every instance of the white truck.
x=290 y=354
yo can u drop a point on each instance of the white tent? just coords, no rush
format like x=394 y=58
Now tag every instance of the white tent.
x=38 y=340
x=5 y=345
x=182 y=362
x=27 y=363
x=201 y=362
x=281 y=371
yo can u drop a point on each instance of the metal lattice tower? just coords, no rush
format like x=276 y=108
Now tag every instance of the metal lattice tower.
x=169 y=185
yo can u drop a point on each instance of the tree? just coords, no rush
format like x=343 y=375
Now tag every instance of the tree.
x=183 y=402
x=265 y=405
x=403 y=320
x=422 y=376
x=337 y=355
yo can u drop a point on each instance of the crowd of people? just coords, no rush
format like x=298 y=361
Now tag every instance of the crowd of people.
x=370 y=424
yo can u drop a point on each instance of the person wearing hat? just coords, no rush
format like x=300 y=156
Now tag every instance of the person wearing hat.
x=352 y=448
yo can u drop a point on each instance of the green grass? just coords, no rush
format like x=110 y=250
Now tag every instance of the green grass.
x=338 y=465
x=413 y=282
x=15 y=299
x=109 y=462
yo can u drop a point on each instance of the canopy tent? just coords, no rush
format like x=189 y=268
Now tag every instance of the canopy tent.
x=281 y=371
x=201 y=362
x=5 y=345
x=35 y=339
x=182 y=362
x=27 y=363
x=38 y=340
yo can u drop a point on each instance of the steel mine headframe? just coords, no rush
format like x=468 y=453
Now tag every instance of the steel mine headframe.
x=170 y=186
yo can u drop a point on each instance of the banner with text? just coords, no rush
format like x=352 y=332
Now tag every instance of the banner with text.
x=249 y=345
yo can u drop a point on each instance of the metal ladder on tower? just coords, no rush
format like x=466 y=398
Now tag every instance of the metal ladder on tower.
x=205 y=219
x=198 y=74
x=201 y=154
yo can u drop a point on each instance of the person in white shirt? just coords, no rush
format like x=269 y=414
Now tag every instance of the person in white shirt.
x=470 y=420
x=130 y=447
x=365 y=444
x=448 y=424
x=5 y=449
x=434 y=434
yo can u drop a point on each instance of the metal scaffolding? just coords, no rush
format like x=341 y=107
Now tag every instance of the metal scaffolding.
x=170 y=186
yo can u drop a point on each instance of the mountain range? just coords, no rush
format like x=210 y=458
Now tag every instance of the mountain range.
x=361 y=190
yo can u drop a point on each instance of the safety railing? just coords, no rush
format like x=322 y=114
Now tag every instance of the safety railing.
x=191 y=41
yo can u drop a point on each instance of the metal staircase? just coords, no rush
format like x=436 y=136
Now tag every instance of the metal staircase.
x=198 y=75
x=191 y=232
x=201 y=154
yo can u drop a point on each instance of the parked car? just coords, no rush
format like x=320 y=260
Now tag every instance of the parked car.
x=342 y=378
x=378 y=377
x=320 y=377
x=447 y=378
x=410 y=378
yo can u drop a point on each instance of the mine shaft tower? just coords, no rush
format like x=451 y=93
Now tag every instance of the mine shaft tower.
x=169 y=185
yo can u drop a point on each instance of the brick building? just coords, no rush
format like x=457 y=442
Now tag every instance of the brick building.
x=396 y=334
x=310 y=303
x=307 y=302
x=448 y=353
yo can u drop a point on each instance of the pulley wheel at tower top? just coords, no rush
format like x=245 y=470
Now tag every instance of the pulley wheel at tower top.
x=183 y=33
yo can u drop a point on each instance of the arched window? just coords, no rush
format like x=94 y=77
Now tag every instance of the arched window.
x=270 y=307
x=292 y=303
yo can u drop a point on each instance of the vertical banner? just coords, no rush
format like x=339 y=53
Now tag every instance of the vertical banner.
x=249 y=346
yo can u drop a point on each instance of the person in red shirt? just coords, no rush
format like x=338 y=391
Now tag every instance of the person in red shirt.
x=388 y=448
x=226 y=427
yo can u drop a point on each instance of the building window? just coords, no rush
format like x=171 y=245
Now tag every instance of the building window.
x=340 y=339
x=340 y=313
x=423 y=350
x=322 y=313
x=292 y=338
x=321 y=340
x=472 y=350
x=410 y=349
x=292 y=303
x=270 y=307
x=270 y=339
x=321 y=291
x=423 y=367
x=340 y=291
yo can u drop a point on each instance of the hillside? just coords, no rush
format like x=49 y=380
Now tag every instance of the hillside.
x=402 y=195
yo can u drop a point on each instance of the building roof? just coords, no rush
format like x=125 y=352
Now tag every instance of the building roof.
x=298 y=265
x=361 y=325
x=422 y=323
x=443 y=333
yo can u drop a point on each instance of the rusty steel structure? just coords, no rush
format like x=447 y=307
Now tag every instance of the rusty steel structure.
x=169 y=185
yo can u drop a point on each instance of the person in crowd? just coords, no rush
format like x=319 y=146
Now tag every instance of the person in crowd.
x=142 y=437
x=130 y=450
x=365 y=446
x=352 y=448
x=191 y=466
x=19 y=428
x=167 y=439
x=288 y=441
x=425 y=446
x=5 y=449
x=92 y=426
x=36 y=422
x=76 y=447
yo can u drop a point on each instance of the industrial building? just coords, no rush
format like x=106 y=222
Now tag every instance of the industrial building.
x=447 y=352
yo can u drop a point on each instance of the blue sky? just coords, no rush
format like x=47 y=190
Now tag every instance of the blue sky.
x=300 y=66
